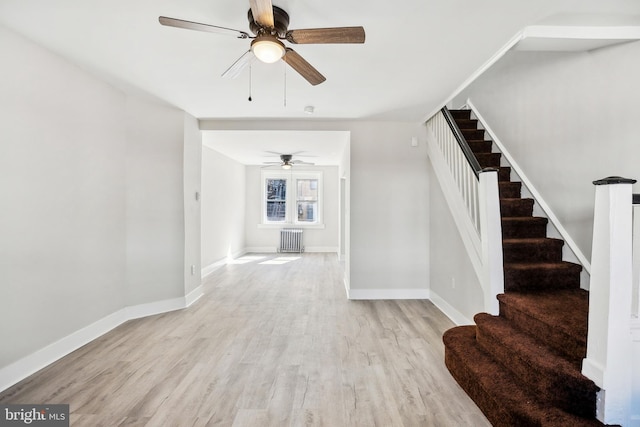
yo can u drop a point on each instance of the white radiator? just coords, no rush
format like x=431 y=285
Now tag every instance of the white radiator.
x=291 y=240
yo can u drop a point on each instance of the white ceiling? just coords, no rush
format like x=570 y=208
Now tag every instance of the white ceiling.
x=257 y=147
x=417 y=52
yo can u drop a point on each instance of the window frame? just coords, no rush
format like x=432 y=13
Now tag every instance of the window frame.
x=291 y=201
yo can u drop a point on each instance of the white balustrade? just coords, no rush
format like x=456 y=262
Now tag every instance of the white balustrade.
x=477 y=195
x=461 y=170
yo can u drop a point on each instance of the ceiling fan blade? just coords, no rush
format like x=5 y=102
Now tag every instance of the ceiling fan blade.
x=262 y=11
x=241 y=63
x=305 y=69
x=327 y=35
x=179 y=23
x=289 y=154
x=301 y=162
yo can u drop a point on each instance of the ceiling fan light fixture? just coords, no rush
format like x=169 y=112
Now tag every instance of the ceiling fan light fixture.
x=267 y=48
x=286 y=166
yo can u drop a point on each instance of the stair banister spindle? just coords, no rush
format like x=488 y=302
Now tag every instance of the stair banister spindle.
x=609 y=347
x=462 y=142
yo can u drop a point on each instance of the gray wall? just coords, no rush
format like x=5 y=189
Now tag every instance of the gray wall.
x=567 y=119
x=154 y=218
x=192 y=207
x=452 y=276
x=223 y=207
x=92 y=216
x=62 y=220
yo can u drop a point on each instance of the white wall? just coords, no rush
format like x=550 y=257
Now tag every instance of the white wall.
x=223 y=207
x=92 y=218
x=323 y=240
x=567 y=119
x=389 y=207
x=388 y=201
x=155 y=203
x=455 y=287
x=62 y=215
x=192 y=185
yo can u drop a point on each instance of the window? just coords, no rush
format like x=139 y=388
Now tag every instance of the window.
x=307 y=200
x=300 y=205
x=276 y=200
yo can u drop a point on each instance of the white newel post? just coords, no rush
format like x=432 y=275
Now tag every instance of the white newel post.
x=608 y=361
x=635 y=309
x=491 y=236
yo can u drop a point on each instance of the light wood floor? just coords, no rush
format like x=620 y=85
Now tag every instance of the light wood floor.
x=268 y=345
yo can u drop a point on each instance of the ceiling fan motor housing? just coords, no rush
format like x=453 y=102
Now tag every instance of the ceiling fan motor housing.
x=280 y=22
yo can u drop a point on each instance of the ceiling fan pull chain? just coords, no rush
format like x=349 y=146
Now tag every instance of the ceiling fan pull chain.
x=250 y=83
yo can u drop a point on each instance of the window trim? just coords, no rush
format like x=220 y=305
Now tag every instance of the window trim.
x=291 y=217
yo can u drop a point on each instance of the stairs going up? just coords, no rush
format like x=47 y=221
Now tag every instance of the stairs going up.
x=522 y=367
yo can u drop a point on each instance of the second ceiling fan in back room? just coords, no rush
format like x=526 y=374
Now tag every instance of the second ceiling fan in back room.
x=269 y=24
x=286 y=160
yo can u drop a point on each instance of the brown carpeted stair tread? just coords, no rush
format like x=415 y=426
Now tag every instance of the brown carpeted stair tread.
x=560 y=316
x=535 y=249
x=534 y=266
x=494 y=389
x=473 y=133
x=536 y=366
x=509 y=189
x=489 y=160
x=460 y=114
x=516 y=207
x=541 y=275
x=467 y=123
x=504 y=174
x=480 y=145
x=524 y=227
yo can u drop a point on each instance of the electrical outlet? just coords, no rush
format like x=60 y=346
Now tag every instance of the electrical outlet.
x=453 y=282
x=193 y=270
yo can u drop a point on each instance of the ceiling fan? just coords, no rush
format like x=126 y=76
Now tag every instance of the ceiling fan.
x=287 y=162
x=269 y=24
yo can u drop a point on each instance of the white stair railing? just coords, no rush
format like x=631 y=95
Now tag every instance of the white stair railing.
x=609 y=362
x=472 y=195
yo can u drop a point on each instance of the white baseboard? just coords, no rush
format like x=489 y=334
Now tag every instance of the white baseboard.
x=153 y=308
x=261 y=250
x=193 y=296
x=273 y=249
x=207 y=270
x=321 y=249
x=213 y=267
x=22 y=368
x=453 y=314
x=374 y=294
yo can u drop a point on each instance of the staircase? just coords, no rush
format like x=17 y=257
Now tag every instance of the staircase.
x=523 y=367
